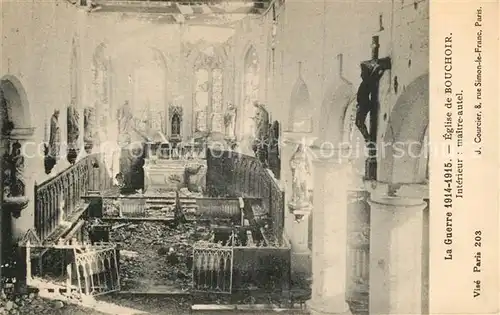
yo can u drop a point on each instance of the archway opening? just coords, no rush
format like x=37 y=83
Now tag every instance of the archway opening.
x=14 y=113
x=407 y=128
x=300 y=111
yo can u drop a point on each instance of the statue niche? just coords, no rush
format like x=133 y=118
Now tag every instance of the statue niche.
x=175 y=118
x=53 y=149
x=73 y=133
x=261 y=138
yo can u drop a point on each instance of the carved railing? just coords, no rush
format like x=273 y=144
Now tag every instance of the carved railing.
x=232 y=174
x=132 y=207
x=212 y=269
x=227 y=208
x=59 y=197
x=230 y=267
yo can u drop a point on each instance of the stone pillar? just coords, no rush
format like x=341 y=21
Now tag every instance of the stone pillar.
x=29 y=151
x=396 y=249
x=329 y=245
x=297 y=216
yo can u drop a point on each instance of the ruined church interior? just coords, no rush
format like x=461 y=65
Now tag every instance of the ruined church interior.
x=180 y=157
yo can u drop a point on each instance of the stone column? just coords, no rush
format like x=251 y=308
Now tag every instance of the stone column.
x=329 y=264
x=297 y=216
x=396 y=249
x=26 y=166
x=29 y=151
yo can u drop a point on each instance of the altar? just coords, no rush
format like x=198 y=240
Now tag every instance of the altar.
x=170 y=166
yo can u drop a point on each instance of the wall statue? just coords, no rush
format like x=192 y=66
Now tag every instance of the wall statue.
x=89 y=128
x=230 y=121
x=14 y=183
x=301 y=171
x=176 y=125
x=274 y=149
x=73 y=132
x=125 y=118
x=125 y=123
x=52 y=150
x=261 y=142
x=192 y=178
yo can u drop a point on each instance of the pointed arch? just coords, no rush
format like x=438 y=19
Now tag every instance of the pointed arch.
x=208 y=89
x=406 y=132
x=159 y=57
x=300 y=119
x=148 y=74
x=337 y=101
x=15 y=100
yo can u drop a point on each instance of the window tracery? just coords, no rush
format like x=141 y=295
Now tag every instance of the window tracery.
x=208 y=95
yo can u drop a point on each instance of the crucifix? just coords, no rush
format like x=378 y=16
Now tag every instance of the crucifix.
x=368 y=103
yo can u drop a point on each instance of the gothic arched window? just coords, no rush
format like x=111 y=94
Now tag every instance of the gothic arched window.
x=217 y=123
x=208 y=96
x=300 y=111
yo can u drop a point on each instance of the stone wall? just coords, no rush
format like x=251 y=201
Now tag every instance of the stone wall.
x=40 y=47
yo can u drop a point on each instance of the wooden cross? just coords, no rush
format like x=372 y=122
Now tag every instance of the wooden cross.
x=375 y=47
x=383 y=64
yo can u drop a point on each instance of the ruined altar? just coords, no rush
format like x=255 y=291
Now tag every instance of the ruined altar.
x=170 y=166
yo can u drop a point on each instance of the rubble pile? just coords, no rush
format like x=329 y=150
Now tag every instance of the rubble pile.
x=111 y=207
x=154 y=254
x=30 y=304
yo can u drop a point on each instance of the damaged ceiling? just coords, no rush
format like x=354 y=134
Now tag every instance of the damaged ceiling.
x=222 y=13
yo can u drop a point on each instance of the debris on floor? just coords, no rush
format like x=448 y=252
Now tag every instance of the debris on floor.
x=32 y=303
x=155 y=254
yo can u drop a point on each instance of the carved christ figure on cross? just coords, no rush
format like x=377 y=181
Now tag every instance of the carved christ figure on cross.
x=371 y=72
